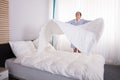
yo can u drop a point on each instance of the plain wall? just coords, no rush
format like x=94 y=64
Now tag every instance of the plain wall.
x=26 y=17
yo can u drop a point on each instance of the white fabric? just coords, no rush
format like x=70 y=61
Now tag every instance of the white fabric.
x=78 y=66
x=82 y=37
x=36 y=42
x=61 y=42
x=22 y=48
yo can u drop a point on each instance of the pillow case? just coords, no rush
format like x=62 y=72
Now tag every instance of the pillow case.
x=22 y=48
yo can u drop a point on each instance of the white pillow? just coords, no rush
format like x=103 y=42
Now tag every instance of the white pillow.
x=22 y=48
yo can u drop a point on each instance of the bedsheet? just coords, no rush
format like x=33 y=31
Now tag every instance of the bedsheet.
x=83 y=37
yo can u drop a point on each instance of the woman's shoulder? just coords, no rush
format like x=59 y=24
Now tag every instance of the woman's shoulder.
x=71 y=21
x=84 y=20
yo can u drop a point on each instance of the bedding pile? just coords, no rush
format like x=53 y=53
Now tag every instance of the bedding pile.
x=78 y=66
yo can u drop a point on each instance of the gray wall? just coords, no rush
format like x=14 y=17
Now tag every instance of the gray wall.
x=26 y=17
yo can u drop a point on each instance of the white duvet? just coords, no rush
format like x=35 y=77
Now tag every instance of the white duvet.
x=78 y=66
x=83 y=37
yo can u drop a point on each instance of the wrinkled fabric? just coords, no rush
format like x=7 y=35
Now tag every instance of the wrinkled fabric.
x=83 y=37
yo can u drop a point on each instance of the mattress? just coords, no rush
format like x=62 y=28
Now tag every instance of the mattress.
x=29 y=73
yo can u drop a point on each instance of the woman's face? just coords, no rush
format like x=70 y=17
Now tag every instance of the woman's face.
x=78 y=16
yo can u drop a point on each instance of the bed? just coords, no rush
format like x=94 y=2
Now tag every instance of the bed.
x=45 y=61
x=64 y=67
x=22 y=72
x=50 y=69
x=52 y=64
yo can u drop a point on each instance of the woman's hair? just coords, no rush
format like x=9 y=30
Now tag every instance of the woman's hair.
x=79 y=13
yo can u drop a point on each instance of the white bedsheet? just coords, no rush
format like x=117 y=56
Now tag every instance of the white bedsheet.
x=79 y=66
x=83 y=37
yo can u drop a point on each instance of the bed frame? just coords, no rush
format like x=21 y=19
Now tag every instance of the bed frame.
x=27 y=73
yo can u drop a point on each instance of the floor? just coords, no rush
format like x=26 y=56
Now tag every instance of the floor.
x=111 y=72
